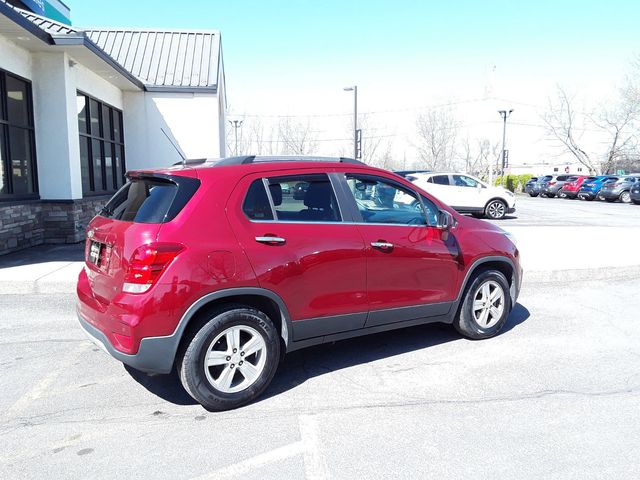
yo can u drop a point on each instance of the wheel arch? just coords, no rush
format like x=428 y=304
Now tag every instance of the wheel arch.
x=503 y=264
x=261 y=299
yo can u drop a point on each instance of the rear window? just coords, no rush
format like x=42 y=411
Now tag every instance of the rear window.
x=150 y=200
x=562 y=178
x=572 y=179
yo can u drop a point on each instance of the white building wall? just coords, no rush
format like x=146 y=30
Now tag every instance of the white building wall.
x=90 y=83
x=56 y=127
x=191 y=121
x=15 y=59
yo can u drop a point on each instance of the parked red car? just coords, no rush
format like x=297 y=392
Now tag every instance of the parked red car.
x=572 y=186
x=214 y=271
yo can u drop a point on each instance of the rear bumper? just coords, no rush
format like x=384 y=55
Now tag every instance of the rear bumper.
x=569 y=193
x=589 y=195
x=610 y=194
x=155 y=355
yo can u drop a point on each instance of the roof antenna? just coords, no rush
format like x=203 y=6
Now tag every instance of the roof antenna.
x=184 y=159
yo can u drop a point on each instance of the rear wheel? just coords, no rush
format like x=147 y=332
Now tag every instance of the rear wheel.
x=231 y=359
x=485 y=307
x=495 y=209
x=533 y=194
x=625 y=197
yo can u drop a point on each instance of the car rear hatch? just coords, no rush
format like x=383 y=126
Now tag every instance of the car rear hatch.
x=130 y=220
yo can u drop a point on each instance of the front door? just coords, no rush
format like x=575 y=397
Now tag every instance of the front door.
x=293 y=233
x=412 y=270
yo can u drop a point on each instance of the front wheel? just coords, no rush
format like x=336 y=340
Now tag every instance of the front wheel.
x=531 y=194
x=495 y=210
x=485 y=307
x=231 y=359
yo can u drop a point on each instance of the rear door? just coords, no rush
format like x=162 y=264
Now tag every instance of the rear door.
x=302 y=247
x=412 y=269
x=440 y=187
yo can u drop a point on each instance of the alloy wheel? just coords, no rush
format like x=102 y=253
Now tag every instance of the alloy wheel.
x=235 y=359
x=488 y=304
x=625 y=197
x=496 y=209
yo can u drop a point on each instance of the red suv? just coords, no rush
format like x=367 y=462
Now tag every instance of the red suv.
x=572 y=186
x=220 y=268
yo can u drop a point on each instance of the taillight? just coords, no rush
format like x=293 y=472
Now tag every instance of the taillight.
x=147 y=264
x=552 y=183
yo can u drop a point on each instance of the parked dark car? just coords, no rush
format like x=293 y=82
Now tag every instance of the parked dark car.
x=591 y=189
x=528 y=187
x=300 y=190
x=551 y=188
x=572 y=186
x=538 y=185
x=634 y=194
x=620 y=190
x=209 y=272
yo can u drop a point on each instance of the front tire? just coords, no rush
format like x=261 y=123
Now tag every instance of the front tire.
x=495 y=210
x=533 y=194
x=485 y=307
x=231 y=359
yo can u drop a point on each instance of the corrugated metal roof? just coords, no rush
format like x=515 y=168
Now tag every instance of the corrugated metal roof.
x=164 y=58
x=160 y=59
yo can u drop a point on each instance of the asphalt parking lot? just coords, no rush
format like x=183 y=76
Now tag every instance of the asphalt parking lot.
x=556 y=395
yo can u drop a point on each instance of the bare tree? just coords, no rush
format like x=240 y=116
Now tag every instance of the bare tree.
x=296 y=137
x=437 y=135
x=479 y=156
x=619 y=124
x=565 y=126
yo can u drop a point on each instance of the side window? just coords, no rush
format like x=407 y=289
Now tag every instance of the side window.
x=256 y=204
x=441 y=179
x=380 y=201
x=304 y=198
x=464 y=181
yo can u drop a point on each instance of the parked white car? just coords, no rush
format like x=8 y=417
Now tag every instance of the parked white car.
x=467 y=194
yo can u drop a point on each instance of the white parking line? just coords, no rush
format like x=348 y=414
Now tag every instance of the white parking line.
x=245 y=466
x=314 y=466
x=37 y=391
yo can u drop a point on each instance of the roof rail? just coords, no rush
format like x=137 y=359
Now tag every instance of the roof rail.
x=283 y=158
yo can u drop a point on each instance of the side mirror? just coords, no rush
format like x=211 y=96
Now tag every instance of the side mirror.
x=445 y=220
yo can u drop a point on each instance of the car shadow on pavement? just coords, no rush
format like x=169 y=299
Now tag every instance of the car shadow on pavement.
x=301 y=365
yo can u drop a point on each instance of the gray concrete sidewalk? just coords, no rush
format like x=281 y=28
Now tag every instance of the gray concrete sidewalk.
x=42 y=269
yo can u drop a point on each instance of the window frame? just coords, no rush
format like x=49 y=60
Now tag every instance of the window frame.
x=5 y=129
x=355 y=211
x=265 y=178
x=106 y=140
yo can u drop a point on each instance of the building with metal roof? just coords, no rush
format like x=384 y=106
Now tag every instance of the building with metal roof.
x=80 y=106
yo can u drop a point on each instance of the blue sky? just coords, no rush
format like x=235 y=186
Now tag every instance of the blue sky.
x=294 y=57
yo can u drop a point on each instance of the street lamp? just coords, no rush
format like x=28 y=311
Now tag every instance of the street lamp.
x=236 y=124
x=355 y=118
x=504 y=114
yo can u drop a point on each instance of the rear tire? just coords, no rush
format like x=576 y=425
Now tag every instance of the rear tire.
x=485 y=307
x=533 y=194
x=625 y=197
x=216 y=370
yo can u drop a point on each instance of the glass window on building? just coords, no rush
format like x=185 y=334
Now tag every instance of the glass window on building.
x=101 y=146
x=17 y=144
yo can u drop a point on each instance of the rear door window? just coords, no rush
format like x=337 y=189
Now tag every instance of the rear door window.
x=440 y=179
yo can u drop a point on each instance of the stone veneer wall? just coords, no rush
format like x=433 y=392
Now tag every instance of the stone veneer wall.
x=32 y=223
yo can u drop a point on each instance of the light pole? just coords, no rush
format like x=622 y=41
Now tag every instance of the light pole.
x=236 y=124
x=504 y=114
x=355 y=118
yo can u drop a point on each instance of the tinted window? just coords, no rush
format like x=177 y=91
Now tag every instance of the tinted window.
x=256 y=204
x=380 y=201
x=464 y=181
x=440 y=179
x=562 y=178
x=149 y=200
x=304 y=198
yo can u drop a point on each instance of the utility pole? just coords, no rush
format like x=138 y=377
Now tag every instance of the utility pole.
x=357 y=135
x=236 y=124
x=504 y=114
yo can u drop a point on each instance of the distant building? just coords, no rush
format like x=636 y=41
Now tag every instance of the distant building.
x=547 y=169
x=78 y=108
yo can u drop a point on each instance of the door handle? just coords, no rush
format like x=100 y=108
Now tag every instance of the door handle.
x=381 y=245
x=271 y=240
